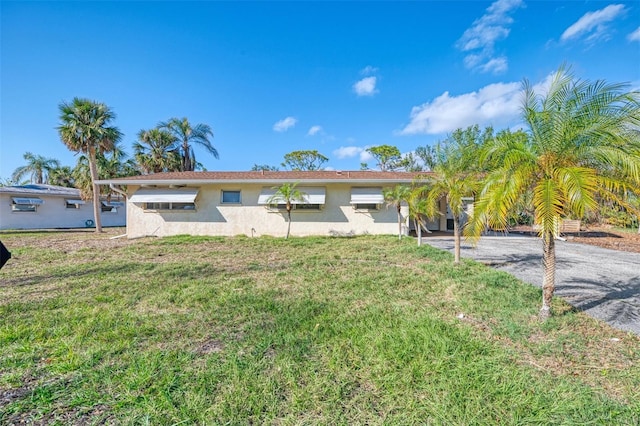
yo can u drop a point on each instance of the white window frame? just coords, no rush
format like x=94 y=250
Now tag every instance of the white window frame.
x=171 y=206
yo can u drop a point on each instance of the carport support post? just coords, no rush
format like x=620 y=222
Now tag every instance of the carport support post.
x=549 y=266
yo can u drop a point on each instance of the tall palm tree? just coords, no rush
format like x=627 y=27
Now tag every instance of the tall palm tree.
x=85 y=128
x=287 y=194
x=395 y=197
x=156 y=151
x=582 y=142
x=455 y=167
x=38 y=167
x=186 y=135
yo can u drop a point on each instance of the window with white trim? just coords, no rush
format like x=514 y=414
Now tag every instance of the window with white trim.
x=170 y=206
x=230 y=197
x=22 y=205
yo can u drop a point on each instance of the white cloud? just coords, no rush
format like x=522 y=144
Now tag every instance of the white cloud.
x=365 y=156
x=634 y=36
x=366 y=86
x=481 y=37
x=284 y=124
x=495 y=65
x=593 y=24
x=496 y=104
x=314 y=130
x=347 y=152
x=368 y=70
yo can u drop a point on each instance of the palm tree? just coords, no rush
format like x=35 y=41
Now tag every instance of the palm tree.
x=85 y=128
x=455 y=176
x=37 y=166
x=395 y=197
x=287 y=194
x=186 y=135
x=418 y=210
x=62 y=176
x=582 y=142
x=156 y=152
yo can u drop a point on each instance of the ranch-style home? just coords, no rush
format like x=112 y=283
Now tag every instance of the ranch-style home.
x=39 y=206
x=239 y=203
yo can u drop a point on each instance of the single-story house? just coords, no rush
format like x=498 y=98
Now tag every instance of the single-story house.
x=41 y=206
x=238 y=203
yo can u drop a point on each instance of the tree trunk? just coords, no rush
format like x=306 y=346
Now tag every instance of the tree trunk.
x=549 y=266
x=96 y=190
x=419 y=229
x=399 y=222
x=456 y=239
x=288 y=222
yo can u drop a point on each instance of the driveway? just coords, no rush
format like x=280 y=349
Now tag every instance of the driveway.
x=601 y=282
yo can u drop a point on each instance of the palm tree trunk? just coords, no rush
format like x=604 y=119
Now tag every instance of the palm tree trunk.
x=288 y=222
x=399 y=222
x=419 y=228
x=549 y=280
x=96 y=191
x=456 y=239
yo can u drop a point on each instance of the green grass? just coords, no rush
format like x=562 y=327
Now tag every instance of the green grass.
x=361 y=330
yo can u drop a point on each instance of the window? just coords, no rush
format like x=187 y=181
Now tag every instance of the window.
x=367 y=206
x=296 y=206
x=24 y=207
x=110 y=207
x=73 y=204
x=307 y=206
x=170 y=206
x=231 y=197
x=176 y=199
x=25 y=204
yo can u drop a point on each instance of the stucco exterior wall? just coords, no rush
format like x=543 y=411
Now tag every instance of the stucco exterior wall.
x=211 y=217
x=53 y=213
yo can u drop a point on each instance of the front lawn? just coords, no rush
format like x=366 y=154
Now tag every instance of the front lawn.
x=364 y=330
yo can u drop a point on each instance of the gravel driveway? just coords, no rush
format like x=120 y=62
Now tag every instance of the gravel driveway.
x=604 y=283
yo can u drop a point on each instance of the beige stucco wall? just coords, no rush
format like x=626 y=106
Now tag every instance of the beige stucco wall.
x=248 y=218
x=53 y=213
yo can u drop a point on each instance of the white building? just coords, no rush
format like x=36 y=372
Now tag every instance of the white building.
x=236 y=203
x=48 y=206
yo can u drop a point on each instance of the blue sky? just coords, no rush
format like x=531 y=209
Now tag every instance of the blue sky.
x=274 y=77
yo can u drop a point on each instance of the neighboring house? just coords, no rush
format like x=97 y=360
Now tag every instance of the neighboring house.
x=48 y=206
x=236 y=203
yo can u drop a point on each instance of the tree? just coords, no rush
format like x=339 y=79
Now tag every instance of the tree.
x=38 y=167
x=186 y=135
x=287 y=194
x=581 y=141
x=455 y=176
x=308 y=160
x=395 y=197
x=109 y=166
x=85 y=128
x=156 y=151
x=418 y=210
x=62 y=176
x=388 y=157
x=264 y=168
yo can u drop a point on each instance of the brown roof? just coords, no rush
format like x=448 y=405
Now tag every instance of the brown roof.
x=316 y=176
